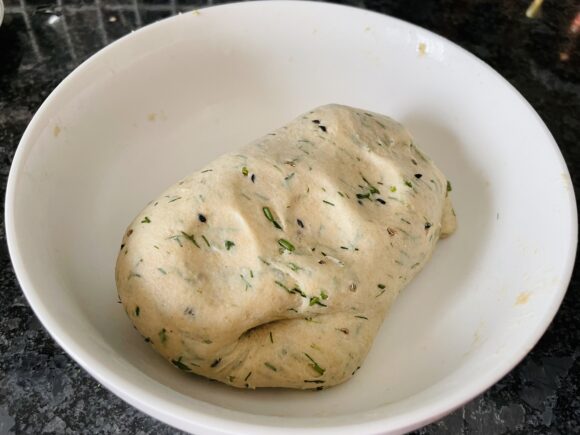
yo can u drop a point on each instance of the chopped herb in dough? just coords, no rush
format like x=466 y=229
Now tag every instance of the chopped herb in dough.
x=190 y=237
x=315 y=365
x=163 y=336
x=286 y=245
x=177 y=363
x=270 y=217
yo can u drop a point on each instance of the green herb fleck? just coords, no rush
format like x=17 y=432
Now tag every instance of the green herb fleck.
x=146 y=220
x=315 y=300
x=270 y=366
x=229 y=244
x=286 y=245
x=393 y=189
x=270 y=217
x=190 y=237
x=156 y=247
x=300 y=292
x=163 y=335
x=205 y=240
x=372 y=189
x=177 y=363
x=449 y=188
x=231 y=379
x=381 y=286
x=207 y=341
x=162 y=270
x=137 y=310
x=283 y=286
x=362 y=317
x=174 y=199
x=245 y=171
x=271 y=338
x=215 y=362
x=315 y=365
x=323 y=295
x=294 y=267
x=408 y=184
x=248 y=376
x=264 y=261
x=248 y=285
x=207 y=170
x=328 y=202
x=294 y=290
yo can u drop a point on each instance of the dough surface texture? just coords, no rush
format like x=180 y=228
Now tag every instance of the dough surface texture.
x=275 y=266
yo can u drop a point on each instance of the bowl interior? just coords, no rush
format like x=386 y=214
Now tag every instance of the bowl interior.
x=164 y=101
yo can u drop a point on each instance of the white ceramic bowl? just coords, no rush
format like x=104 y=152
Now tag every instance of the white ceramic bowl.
x=165 y=100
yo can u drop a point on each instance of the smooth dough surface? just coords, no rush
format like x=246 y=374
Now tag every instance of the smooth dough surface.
x=275 y=266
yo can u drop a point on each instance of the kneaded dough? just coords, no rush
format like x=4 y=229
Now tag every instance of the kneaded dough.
x=275 y=266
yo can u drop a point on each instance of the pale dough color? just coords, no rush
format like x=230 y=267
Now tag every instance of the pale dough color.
x=275 y=266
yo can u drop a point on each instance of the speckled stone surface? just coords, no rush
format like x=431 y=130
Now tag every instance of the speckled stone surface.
x=43 y=391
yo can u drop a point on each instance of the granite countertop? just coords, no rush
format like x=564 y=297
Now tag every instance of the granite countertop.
x=43 y=390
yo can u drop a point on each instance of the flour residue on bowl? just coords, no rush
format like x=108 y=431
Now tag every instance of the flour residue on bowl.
x=522 y=298
x=422 y=48
x=566 y=180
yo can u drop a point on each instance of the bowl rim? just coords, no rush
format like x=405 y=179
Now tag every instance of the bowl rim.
x=185 y=418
